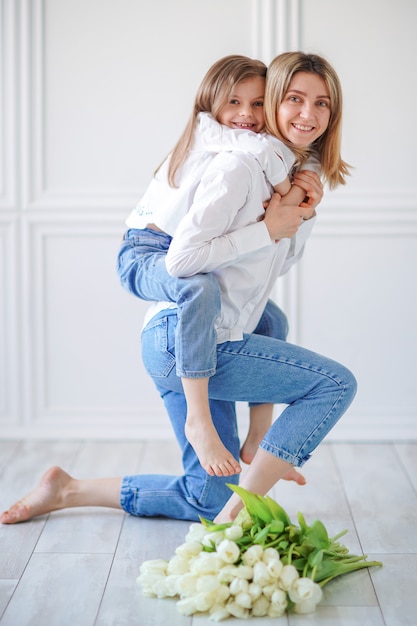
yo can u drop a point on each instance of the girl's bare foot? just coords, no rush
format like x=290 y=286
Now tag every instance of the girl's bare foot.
x=214 y=457
x=49 y=495
x=249 y=448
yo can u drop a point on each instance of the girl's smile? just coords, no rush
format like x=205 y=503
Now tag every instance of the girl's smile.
x=304 y=113
x=244 y=109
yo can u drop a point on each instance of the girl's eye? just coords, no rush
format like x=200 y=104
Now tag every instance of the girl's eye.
x=234 y=101
x=258 y=104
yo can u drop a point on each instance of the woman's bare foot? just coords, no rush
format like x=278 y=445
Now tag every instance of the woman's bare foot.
x=249 y=449
x=48 y=495
x=214 y=457
x=294 y=475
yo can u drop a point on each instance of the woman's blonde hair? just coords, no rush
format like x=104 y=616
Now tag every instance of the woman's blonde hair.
x=212 y=95
x=328 y=146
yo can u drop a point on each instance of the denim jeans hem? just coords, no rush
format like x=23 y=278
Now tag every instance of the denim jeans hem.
x=295 y=460
x=193 y=374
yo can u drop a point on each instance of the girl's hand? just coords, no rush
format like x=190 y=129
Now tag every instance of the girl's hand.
x=283 y=221
x=310 y=183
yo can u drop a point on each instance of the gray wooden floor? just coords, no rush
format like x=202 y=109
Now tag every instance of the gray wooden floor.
x=78 y=567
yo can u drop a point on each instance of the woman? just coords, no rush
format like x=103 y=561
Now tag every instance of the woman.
x=227 y=232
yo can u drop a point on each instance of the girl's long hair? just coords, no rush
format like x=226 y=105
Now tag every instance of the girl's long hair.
x=212 y=95
x=328 y=146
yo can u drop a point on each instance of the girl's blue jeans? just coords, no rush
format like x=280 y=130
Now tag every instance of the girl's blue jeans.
x=262 y=368
x=142 y=271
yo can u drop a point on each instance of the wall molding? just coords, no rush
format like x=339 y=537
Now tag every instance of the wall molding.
x=9 y=349
x=36 y=195
x=276 y=27
x=8 y=105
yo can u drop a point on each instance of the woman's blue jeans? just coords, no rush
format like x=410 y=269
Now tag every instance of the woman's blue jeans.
x=258 y=369
x=142 y=271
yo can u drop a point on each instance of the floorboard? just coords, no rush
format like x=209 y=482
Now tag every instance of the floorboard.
x=79 y=566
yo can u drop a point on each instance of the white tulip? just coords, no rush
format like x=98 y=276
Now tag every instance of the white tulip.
x=206 y=563
x=196 y=532
x=236 y=610
x=154 y=565
x=163 y=588
x=148 y=592
x=206 y=583
x=227 y=573
x=187 y=606
x=275 y=611
x=218 y=612
x=305 y=589
x=279 y=599
x=213 y=539
x=261 y=574
x=244 y=599
x=244 y=571
x=288 y=576
x=233 y=533
x=253 y=554
x=270 y=554
x=171 y=585
x=228 y=551
x=302 y=608
x=149 y=579
x=255 y=591
x=269 y=589
x=187 y=585
x=275 y=568
x=178 y=565
x=222 y=594
x=189 y=549
x=260 y=607
x=238 y=585
x=205 y=600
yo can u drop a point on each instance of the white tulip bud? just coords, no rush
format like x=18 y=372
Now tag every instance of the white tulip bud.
x=288 y=576
x=238 y=585
x=260 y=607
x=304 y=589
x=228 y=551
x=253 y=554
x=233 y=533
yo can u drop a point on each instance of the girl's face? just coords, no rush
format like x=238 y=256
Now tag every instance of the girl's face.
x=304 y=113
x=244 y=109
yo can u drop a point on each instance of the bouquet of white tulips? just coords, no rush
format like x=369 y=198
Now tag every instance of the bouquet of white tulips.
x=261 y=564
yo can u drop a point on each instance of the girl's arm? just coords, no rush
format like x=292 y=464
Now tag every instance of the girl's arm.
x=274 y=157
x=217 y=229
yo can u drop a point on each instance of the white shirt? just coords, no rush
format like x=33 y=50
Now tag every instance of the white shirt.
x=220 y=230
x=165 y=206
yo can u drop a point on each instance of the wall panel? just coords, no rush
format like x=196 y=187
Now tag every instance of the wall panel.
x=93 y=95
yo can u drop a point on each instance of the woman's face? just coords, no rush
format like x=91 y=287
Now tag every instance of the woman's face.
x=304 y=113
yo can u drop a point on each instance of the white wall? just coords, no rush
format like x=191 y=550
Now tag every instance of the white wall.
x=93 y=94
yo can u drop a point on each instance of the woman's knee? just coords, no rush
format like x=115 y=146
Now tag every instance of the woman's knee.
x=273 y=322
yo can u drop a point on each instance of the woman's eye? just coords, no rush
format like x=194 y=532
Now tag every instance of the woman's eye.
x=323 y=104
x=294 y=99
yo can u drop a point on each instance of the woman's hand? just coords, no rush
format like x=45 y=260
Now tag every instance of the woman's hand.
x=311 y=184
x=283 y=221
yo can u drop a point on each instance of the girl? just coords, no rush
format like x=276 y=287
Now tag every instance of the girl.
x=228 y=110
x=227 y=232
